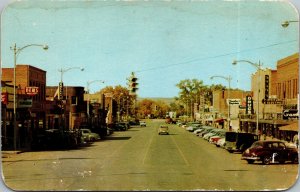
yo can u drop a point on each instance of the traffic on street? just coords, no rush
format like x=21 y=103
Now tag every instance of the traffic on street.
x=142 y=159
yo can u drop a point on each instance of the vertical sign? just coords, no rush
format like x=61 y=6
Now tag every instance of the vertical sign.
x=60 y=91
x=249 y=103
x=266 y=87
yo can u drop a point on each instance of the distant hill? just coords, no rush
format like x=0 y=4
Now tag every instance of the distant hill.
x=166 y=100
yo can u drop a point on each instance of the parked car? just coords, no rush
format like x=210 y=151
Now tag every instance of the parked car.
x=120 y=127
x=269 y=152
x=126 y=124
x=221 y=143
x=89 y=136
x=163 y=129
x=214 y=139
x=134 y=122
x=143 y=124
x=205 y=131
x=193 y=127
x=239 y=142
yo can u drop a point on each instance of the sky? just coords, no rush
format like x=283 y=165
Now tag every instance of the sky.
x=163 y=42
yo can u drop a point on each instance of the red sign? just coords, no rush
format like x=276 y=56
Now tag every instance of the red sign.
x=31 y=90
x=4 y=98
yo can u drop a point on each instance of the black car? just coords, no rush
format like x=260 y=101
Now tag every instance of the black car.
x=269 y=152
x=239 y=142
x=120 y=127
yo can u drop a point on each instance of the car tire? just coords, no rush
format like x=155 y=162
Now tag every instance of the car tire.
x=295 y=159
x=250 y=161
x=266 y=160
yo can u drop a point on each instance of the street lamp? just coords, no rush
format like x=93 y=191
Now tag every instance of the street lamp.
x=285 y=24
x=258 y=66
x=227 y=79
x=61 y=88
x=16 y=51
x=88 y=96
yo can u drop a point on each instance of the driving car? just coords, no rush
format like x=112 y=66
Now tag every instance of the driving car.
x=270 y=151
x=143 y=124
x=89 y=136
x=163 y=129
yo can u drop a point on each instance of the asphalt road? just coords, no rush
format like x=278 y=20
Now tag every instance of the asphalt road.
x=140 y=159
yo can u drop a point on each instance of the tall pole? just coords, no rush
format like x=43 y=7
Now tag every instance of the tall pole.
x=88 y=96
x=62 y=71
x=16 y=52
x=227 y=79
x=15 y=110
x=258 y=67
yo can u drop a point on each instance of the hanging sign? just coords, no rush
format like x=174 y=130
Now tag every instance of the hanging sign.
x=31 y=91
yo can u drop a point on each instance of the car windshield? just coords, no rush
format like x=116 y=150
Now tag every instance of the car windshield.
x=257 y=144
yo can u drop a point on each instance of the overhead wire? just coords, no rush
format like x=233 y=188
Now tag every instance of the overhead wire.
x=213 y=57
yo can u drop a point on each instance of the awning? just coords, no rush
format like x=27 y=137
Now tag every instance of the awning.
x=219 y=120
x=290 y=127
x=209 y=119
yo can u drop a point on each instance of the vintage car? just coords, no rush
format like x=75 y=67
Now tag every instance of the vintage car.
x=89 y=136
x=270 y=152
x=239 y=142
x=143 y=124
x=163 y=129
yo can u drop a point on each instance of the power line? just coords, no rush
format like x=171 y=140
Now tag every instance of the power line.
x=213 y=57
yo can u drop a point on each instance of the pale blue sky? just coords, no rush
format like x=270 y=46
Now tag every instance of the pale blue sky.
x=163 y=42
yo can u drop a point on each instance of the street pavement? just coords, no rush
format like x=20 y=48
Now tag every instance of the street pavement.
x=140 y=159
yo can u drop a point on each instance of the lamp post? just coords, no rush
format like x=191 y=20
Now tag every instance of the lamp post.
x=16 y=51
x=61 y=88
x=229 y=78
x=258 y=67
x=285 y=24
x=88 y=96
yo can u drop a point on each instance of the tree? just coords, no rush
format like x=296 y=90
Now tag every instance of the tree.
x=191 y=91
x=124 y=100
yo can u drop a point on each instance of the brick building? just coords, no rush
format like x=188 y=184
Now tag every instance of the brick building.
x=278 y=99
x=74 y=107
x=287 y=78
x=30 y=110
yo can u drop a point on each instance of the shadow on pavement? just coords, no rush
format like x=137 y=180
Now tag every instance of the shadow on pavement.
x=117 y=138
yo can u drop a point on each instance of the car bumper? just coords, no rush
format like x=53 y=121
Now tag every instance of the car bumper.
x=250 y=158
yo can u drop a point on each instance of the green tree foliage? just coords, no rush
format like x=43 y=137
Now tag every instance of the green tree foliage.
x=191 y=91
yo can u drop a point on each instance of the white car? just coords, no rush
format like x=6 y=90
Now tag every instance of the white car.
x=221 y=143
x=143 y=124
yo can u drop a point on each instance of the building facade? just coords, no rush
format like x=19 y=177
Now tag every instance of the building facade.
x=277 y=103
x=30 y=101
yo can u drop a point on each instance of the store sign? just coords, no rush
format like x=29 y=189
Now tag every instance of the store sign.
x=266 y=87
x=272 y=101
x=290 y=114
x=249 y=103
x=234 y=101
x=25 y=103
x=31 y=91
x=4 y=98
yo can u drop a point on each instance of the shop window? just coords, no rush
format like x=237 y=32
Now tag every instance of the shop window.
x=73 y=100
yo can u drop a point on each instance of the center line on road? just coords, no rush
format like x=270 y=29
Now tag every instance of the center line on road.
x=148 y=147
x=181 y=153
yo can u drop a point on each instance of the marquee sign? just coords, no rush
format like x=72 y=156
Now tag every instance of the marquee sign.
x=31 y=91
